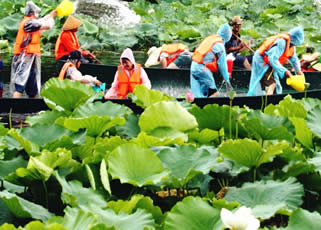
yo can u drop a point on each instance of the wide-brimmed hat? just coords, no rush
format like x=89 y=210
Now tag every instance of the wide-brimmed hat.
x=71 y=23
x=236 y=20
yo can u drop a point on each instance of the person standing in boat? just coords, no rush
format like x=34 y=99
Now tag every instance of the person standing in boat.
x=68 y=41
x=235 y=45
x=70 y=70
x=268 y=61
x=172 y=56
x=208 y=58
x=26 y=62
x=129 y=74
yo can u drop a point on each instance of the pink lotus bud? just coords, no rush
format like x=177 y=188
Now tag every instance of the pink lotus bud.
x=189 y=97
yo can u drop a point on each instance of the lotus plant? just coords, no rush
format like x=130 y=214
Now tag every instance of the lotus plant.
x=242 y=219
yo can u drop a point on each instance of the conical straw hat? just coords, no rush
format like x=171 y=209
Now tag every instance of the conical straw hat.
x=71 y=23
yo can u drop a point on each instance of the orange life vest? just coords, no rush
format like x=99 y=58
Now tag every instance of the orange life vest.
x=64 y=69
x=203 y=48
x=289 y=51
x=34 y=46
x=127 y=84
x=60 y=48
x=173 y=51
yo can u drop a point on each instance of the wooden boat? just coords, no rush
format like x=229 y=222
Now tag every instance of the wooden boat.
x=175 y=79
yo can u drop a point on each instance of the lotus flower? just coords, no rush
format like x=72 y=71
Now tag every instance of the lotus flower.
x=189 y=97
x=242 y=219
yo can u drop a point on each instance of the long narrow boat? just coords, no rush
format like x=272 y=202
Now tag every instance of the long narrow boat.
x=174 y=82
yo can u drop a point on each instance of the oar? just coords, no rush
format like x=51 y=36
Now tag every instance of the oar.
x=238 y=38
x=94 y=57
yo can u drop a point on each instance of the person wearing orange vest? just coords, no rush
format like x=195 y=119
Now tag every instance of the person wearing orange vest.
x=68 y=41
x=26 y=63
x=70 y=70
x=268 y=61
x=129 y=74
x=209 y=57
x=172 y=56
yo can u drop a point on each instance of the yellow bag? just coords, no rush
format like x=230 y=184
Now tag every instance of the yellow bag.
x=65 y=8
x=296 y=82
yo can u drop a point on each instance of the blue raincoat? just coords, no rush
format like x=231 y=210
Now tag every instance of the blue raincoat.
x=259 y=68
x=201 y=78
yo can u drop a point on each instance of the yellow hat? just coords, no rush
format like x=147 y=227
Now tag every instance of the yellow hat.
x=71 y=23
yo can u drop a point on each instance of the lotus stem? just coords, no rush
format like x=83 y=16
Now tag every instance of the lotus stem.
x=254 y=175
x=2 y=185
x=262 y=104
x=46 y=194
x=10 y=118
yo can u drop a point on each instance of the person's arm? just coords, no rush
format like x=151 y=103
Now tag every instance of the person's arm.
x=112 y=92
x=295 y=63
x=162 y=59
x=145 y=78
x=86 y=79
x=42 y=24
x=220 y=53
x=274 y=54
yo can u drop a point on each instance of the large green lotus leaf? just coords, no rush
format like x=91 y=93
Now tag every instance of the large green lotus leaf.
x=316 y=161
x=166 y=114
x=193 y=213
x=288 y=107
x=7 y=226
x=75 y=195
x=268 y=127
x=5 y=214
x=203 y=137
x=60 y=158
x=98 y=108
x=28 y=146
x=43 y=134
x=144 y=97
x=147 y=141
x=266 y=198
x=104 y=146
x=22 y=208
x=66 y=95
x=3 y=130
x=310 y=103
x=85 y=150
x=95 y=125
x=293 y=154
x=90 y=28
x=304 y=220
x=128 y=163
x=11 y=22
x=313 y=120
x=10 y=166
x=136 y=202
x=185 y=162
x=44 y=118
x=166 y=132
x=130 y=129
x=221 y=203
x=296 y=168
x=303 y=133
x=249 y=152
x=67 y=142
x=76 y=218
x=37 y=225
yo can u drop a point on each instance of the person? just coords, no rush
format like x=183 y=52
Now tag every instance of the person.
x=70 y=70
x=268 y=61
x=25 y=68
x=311 y=62
x=235 y=45
x=172 y=56
x=210 y=56
x=1 y=77
x=67 y=40
x=129 y=74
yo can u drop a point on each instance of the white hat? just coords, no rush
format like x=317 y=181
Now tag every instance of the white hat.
x=153 y=55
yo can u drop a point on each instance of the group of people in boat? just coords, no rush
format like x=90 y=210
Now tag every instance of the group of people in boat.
x=210 y=56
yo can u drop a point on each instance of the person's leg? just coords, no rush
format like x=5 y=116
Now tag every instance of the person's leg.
x=172 y=66
x=31 y=86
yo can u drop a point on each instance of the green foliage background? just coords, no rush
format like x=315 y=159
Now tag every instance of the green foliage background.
x=185 y=21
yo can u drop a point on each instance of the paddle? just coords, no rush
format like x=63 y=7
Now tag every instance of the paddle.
x=238 y=38
x=94 y=57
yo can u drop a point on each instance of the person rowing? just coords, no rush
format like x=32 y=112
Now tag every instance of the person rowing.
x=68 y=41
x=268 y=61
x=26 y=62
x=171 y=56
x=129 y=74
x=208 y=58
x=70 y=70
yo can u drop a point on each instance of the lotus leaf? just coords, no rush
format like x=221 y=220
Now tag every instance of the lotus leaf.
x=89 y=28
x=294 y=169
x=44 y=118
x=104 y=176
x=204 y=137
x=78 y=219
x=316 y=161
x=266 y=198
x=136 y=202
x=128 y=163
x=309 y=103
x=95 y=125
x=105 y=145
x=10 y=166
x=303 y=133
x=66 y=95
x=22 y=208
x=249 y=152
x=90 y=177
x=146 y=140
x=5 y=214
x=144 y=97
x=185 y=162
x=266 y=127
x=11 y=22
x=166 y=114
x=313 y=120
x=29 y=147
x=304 y=220
x=193 y=213
x=130 y=129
